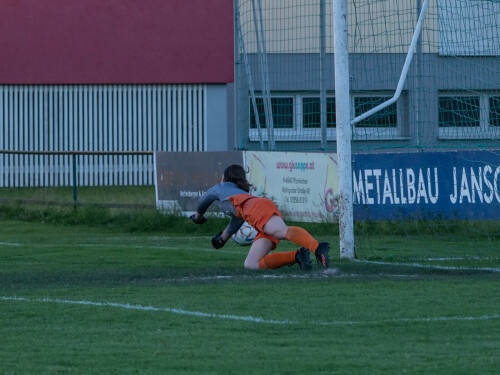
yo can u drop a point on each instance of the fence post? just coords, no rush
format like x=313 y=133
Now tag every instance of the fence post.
x=75 y=199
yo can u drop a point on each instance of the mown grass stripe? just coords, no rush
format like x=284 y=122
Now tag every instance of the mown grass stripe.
x=122 y=246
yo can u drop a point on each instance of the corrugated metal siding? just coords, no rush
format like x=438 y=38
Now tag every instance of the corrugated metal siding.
x=96 y=118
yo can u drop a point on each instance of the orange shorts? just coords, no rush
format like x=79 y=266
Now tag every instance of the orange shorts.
x=256 y=211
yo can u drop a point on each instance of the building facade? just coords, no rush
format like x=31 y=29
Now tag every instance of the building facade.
x=113 y=76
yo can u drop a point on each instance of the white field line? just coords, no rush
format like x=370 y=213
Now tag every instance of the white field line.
x=251 y=319
x=455 y=258
x=9 y=244
x=418 y=265
x=329 y=273
x=416 y=320
x=147 y=308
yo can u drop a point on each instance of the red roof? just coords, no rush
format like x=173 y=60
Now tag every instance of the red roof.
x=116 y=41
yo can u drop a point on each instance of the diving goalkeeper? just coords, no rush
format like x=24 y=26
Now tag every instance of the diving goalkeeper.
x=262 y=214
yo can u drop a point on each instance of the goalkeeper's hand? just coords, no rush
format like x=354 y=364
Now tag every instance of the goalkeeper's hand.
x=201 y=220
x=217 y=241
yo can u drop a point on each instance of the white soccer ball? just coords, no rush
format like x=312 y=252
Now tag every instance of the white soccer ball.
x=245 y=235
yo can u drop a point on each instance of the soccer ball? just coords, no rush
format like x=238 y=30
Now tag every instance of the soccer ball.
x=245 y=235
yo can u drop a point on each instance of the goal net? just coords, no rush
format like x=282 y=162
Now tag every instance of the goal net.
x=425 y=167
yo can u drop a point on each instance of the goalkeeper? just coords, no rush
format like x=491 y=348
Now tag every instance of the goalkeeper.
x=262 y=214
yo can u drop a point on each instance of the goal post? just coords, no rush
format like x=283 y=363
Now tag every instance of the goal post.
x=344 y=153
x=344 y=122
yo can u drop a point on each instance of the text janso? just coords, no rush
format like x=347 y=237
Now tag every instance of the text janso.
x=416 y=186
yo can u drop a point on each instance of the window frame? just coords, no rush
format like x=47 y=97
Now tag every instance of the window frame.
x=484 y=131
x=496 y=98
x=299 y=133
x=280 y=134
x=382 y=133
x=273 y=105
x=318 y=102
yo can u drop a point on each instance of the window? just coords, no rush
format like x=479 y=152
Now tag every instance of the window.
x=468 y=116
x=494 y=111
x=459 y=111
x=389 y=123
x=311 y=112
x=282 y=109
x=387 y=117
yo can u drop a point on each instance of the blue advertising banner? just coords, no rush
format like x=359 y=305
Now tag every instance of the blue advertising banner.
x=430 y=185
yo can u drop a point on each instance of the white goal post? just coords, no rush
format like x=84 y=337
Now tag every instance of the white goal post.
x=344 y=122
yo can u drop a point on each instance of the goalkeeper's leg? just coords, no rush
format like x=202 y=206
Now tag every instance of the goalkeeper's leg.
x=259 y=258
x=276 y=227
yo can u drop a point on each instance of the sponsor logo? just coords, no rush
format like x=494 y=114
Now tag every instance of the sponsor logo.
x=292 y=165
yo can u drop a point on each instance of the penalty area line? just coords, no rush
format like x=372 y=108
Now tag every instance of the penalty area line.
x=147 y=308
x=429 y=266
x=250 y=319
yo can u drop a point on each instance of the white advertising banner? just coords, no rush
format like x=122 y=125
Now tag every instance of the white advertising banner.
x=304 y=186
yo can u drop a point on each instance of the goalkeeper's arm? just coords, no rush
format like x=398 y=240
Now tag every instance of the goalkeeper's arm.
x=198 y=218
x=205 y=201
x=221 y=238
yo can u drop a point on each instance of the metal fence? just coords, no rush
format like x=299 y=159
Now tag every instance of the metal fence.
x=77 y=168
x=113 y=127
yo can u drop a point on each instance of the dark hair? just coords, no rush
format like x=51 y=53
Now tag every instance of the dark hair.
x=236 y=174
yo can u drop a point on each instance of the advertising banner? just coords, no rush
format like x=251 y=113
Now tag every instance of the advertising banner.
x=304 y=186
x=183 y=177
x=431 y=185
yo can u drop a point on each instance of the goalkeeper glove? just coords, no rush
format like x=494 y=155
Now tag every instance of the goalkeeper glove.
x=202 y=220
x=217 y=241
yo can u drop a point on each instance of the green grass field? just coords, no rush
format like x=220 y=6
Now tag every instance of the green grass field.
x=100 y=299
x=85 y=194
